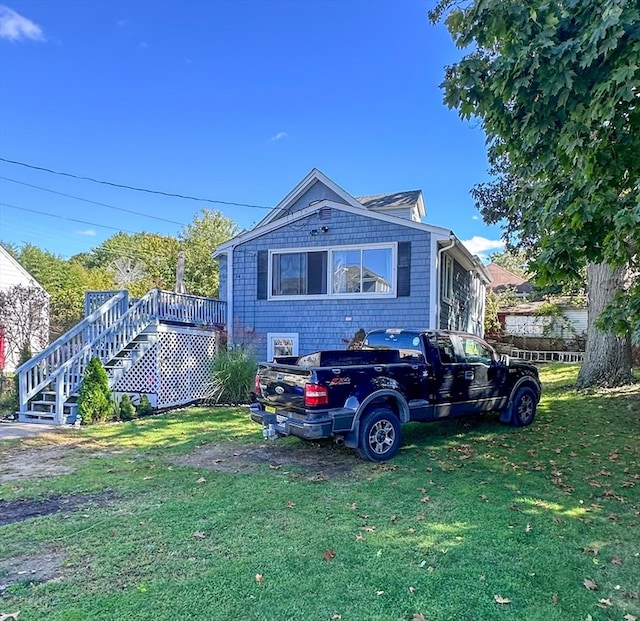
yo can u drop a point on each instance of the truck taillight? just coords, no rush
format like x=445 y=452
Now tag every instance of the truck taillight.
x=315 y=395
x=256 y=385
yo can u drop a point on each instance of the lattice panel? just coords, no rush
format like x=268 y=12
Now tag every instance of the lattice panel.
x=176 y=369
x=142 y=377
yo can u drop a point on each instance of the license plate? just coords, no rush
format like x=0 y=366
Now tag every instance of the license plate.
x=270 y=409
x=280 y=419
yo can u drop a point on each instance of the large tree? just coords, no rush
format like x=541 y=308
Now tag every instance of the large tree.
x=556 y=87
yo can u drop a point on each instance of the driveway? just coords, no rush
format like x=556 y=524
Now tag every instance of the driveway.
x=13 y=431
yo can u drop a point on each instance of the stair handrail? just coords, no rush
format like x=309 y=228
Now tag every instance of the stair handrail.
x=36 y=373
x=105 y=346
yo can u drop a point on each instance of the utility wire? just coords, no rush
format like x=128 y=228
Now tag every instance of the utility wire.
x=53 y=215
x=86 y=200
x=136 y=189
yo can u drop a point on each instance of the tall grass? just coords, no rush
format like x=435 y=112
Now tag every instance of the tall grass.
x=232 y=375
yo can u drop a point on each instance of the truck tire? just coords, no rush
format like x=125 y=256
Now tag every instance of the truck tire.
x=380 y=435
x=524 y=407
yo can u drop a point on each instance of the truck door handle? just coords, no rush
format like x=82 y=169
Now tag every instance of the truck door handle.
x=468 y=375
x=378 y=369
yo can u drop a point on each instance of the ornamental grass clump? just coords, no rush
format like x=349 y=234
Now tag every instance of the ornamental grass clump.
x=94 y=396
x=233 y=373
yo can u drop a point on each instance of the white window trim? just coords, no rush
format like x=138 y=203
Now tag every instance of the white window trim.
x=447 y=278
x=393 y=293
x=271 y=336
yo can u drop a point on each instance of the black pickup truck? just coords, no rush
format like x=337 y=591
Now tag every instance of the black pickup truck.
x=361 y=397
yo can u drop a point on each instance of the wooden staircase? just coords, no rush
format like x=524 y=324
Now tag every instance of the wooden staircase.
x=119 y=332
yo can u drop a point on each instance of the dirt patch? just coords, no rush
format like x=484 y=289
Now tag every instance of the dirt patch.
x=25 y=508
x=43 y=567
x=316 y=461
x=32 y=462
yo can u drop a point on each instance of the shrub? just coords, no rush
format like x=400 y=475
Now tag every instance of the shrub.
x=144 y=407
x=94 y=396
x=233 y=373
x=126 y=409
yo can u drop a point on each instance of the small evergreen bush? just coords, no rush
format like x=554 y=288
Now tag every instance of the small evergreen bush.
x=126 y=410
x=94 y=396
x=144 y=407
x=232 y=376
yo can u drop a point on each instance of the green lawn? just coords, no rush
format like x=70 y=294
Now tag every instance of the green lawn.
x=471 y=513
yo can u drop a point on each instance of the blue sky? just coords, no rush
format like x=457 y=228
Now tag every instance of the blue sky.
x=230 y=101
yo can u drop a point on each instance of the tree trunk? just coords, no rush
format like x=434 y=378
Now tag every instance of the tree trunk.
x=607 y=356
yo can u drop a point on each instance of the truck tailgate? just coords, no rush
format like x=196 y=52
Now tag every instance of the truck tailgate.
x=282 y=386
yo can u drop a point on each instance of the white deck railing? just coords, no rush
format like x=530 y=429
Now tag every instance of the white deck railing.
x=104 y=333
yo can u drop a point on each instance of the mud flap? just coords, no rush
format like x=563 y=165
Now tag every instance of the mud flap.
x=507 y=413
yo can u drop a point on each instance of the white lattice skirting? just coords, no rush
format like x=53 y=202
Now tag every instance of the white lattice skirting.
x=175 y=370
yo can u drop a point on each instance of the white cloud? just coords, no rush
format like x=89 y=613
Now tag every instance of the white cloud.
x=483 y=246
x=278 y=136
x=15 y=27
x=87 y=232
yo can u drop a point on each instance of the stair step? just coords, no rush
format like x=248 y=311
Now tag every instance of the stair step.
x=36 y=417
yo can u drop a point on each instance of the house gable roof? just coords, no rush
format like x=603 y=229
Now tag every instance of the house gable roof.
x=331 y=191
x=7 y=258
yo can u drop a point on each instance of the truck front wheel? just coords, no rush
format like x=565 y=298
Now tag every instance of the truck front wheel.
x=380 y=435
x=524 y=407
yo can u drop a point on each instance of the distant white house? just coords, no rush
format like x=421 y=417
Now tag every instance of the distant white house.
x=23 y=316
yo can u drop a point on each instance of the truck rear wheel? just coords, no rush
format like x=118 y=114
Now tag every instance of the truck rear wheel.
x=380 y=435
x=524 y=407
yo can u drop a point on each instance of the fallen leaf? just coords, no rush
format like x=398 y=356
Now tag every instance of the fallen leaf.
x=11 y=615
x=359 y=537
x=604 y=603
x=590 y=550
x=329 y=554
x=147 y=478
x=420 y=517
x=554 y=599
x=353 y=505
x=501 y=600
x=336 y=617
x=630 y=617
x=394 y=518
x=412 y=589
x=630 y=595
x=616 y=560
x=259 y=578
x=418 y=616
x=590 y=584
x=379 y=593
x=201 y=480
x=290 y=505
x=527 y=528
x=199 y=534
x=424 y=499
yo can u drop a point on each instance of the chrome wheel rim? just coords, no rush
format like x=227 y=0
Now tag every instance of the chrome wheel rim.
x=382 y=435
x=525 y=407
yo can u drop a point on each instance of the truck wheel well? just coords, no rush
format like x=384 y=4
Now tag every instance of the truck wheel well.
x=384 y=402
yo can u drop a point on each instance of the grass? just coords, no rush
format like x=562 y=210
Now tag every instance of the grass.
x=470 y=511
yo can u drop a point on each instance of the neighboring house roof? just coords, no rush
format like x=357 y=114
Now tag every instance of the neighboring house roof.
x=12 y=273
x=533 y=308
x=502 y=279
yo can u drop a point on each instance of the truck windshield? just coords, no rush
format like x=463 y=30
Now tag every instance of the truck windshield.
x=407 y=342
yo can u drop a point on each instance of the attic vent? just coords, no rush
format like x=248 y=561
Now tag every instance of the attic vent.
x=325 y=214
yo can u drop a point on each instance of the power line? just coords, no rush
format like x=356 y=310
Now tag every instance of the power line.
x=54 y=215
x=136 y=189
x=86 y=200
